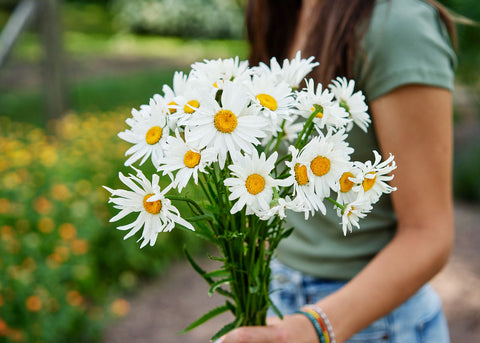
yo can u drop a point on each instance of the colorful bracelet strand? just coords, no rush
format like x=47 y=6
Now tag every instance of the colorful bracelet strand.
x=316 y=325
x=323 y=321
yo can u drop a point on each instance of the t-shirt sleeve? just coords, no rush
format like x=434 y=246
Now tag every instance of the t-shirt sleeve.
x=406 y=43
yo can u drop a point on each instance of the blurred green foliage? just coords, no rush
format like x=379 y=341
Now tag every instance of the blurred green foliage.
x=61 y=261
x=186 y=18
x=468 y=38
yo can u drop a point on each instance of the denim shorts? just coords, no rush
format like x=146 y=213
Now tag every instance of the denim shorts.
x=419 y=320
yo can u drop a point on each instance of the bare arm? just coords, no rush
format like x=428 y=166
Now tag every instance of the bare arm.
x=415 y=124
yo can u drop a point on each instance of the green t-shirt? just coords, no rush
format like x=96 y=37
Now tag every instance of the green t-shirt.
x=406 y=43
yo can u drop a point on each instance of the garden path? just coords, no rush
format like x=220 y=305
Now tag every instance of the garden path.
x=164 y=307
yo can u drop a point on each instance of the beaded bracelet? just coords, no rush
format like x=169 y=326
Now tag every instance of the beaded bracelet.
x=323 y=321
x=316 y=325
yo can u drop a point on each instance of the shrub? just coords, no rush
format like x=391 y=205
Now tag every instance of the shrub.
x=60 y=260
x=186 y=18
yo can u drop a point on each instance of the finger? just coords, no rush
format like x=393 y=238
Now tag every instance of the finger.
x=253 y=334
x=273 y=320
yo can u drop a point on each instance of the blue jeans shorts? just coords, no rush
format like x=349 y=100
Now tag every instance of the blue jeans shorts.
x=419 y=320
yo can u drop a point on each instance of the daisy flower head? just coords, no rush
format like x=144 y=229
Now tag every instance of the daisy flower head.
x=353 y=103
x=251 y=183
x=189 y=98
x=279 y=206
x=179 y=85
x=272 y=100
x=214 y=73
x=375 y=177
x=185 y=159
x=352 y=213
x=292 y=71
x=325 y=163
x=348 y=182
x=155 y=213
x=148 y=132
x=329 y=113
x=303 y=187
x=230 y=128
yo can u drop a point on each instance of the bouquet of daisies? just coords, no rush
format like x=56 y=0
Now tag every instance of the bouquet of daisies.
x=254 y=145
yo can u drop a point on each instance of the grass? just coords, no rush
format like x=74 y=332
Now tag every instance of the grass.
x=89 y=33
x=102 y=94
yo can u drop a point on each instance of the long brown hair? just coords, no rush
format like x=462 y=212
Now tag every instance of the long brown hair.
x=338 y=26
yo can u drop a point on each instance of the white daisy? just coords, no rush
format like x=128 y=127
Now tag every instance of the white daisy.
x=329 y=114
x=187 y=160
x=148 y=132
x=325 y=162
x=353 y=103
x=179 y=82
x=278 y=208
x=189 y=98
x=375 y=177
x=156 y=213
x=303 y=187
x=251 y=183
x=214 y=73
x=292 y=71
x=229 y=128
x=348 y=184
x=352 y=213
x=274 y=101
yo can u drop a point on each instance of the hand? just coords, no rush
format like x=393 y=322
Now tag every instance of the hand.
x=295 y=328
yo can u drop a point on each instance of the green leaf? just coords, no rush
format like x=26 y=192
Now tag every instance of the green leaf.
x=207 y=316
x=275 y=308
x=217 y=284
x=215 y=258
x=287 y=233
x=196 y=267
x=227 y=328
x=218 y=273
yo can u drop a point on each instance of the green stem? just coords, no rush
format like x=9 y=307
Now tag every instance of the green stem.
x=342 y=207
x=190 y=201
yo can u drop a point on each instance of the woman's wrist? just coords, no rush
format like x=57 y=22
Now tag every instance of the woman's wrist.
x=320 y=322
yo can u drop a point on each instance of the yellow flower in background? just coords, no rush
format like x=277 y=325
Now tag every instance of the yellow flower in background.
x=120 y=307
x=60 y=192
x=42 y=205
x=67 y=231
x=74 y=298
x=79 y=246
x=33 y=303
x=46 y=225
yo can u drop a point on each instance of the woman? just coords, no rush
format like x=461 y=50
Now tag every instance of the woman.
x=371 y=286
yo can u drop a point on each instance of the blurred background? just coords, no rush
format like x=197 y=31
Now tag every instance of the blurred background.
x=70 y=72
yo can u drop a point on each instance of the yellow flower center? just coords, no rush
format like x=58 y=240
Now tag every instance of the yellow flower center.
x=153 y=135
x=191 y=159
x=267 y=101
x=152 y=207
x=255 y=184
x=320 y=165
x=225 y=121
x=350 y=211
x=369 y=182
x=191 y=106
x=301 y=174
x=171 y=108
x=345 y=184
x=215 y=84
x=320 y=110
